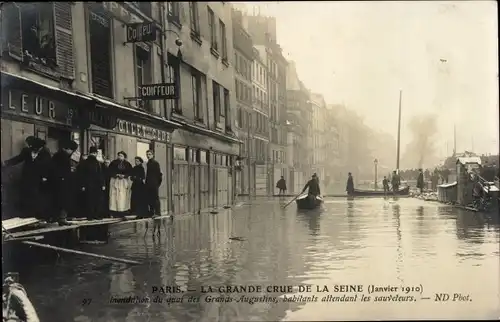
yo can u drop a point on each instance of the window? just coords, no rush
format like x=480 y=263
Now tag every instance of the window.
x=179 y=153
x=193 y=14
x=196 y=88
x=143 y=71
x=173 y=76
x=239 y=118
x=225 y=111
x=223 y=43
x=216 y=101
x=145 y=7
x=213 y=32
x=173 y=11
x=100 y=55
x=38 y=33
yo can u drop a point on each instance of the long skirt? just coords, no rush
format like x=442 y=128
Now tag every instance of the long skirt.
x=119 y=195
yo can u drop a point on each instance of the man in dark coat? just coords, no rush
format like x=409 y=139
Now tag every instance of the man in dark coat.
x=395 y=181
x=153 y=181
x=91 y=179
x=420 y=180
x=34 y=177
x=313 y=186
x=62 y=182
x=350 y=184
x=385 y=184
x=281 y=185
x=24 y=155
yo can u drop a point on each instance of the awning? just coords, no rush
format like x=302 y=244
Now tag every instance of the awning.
x=97 y=100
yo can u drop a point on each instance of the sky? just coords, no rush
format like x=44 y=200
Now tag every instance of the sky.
x=443 y=56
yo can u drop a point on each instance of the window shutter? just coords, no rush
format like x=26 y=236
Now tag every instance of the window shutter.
x=64 y=39
x=12 y=40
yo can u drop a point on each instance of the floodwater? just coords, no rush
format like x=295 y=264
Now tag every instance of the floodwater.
x=418 y=248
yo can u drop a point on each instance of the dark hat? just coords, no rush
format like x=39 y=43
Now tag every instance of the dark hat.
x=71 y=145
x=92 y=149
x=30 y=140
x=37 y=144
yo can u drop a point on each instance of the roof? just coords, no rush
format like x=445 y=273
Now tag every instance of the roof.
x=465 y=160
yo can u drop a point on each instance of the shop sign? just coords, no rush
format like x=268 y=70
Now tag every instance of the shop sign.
x=157 y=91
x=140 y=32
x=21 y=103
x=143 y=131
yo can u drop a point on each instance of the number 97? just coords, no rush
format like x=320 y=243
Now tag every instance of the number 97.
x=86 y=302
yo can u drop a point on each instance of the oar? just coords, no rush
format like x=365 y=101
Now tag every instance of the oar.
x=72 y=251
x=292 y=200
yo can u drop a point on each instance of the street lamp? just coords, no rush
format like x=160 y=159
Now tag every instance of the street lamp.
x=375 y=162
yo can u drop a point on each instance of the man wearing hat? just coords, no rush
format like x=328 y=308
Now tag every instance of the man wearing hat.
x=24 y=155
x=62 y=182
x=313 y=186
x=92 y=184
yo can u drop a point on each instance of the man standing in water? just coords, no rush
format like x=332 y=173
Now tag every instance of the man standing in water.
x=350 y=184
x=395 y=182
x=153 y=181
x=385 y=183
x=420 y=180
x=281 y=185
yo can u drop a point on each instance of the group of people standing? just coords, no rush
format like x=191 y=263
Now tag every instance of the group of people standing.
x=55 y=187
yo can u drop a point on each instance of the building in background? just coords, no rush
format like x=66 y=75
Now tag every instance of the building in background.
x=319 y=136
x=299 y=124
x=243 y=63
x=332 y=144
x=260 y=104
x=263 y=31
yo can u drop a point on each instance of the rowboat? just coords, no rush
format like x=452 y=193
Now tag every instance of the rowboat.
x=375 y=193
x=308 y=201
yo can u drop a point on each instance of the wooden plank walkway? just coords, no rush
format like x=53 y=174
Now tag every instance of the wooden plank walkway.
x=56 y=227
x=18 y=222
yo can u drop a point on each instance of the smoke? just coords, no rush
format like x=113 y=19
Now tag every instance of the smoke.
x=421 y=148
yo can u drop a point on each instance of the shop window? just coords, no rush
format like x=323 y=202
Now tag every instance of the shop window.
x=179 y=154
x=202 y=156
x=143 y=71
x=100 y=54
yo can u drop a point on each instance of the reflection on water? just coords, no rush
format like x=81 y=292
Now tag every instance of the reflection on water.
x=383 y=241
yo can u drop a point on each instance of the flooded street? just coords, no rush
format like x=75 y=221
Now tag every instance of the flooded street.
x=405 y=243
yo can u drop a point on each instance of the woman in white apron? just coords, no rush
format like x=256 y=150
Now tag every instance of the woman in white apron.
x=119 y=186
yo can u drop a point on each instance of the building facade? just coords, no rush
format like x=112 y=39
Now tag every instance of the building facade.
x=260 y=104
x=243 y=63
x=299 y=125
x=205 y=148
x=263 y=31
x=332 y=142
x=84 y=83
x=319 y=135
